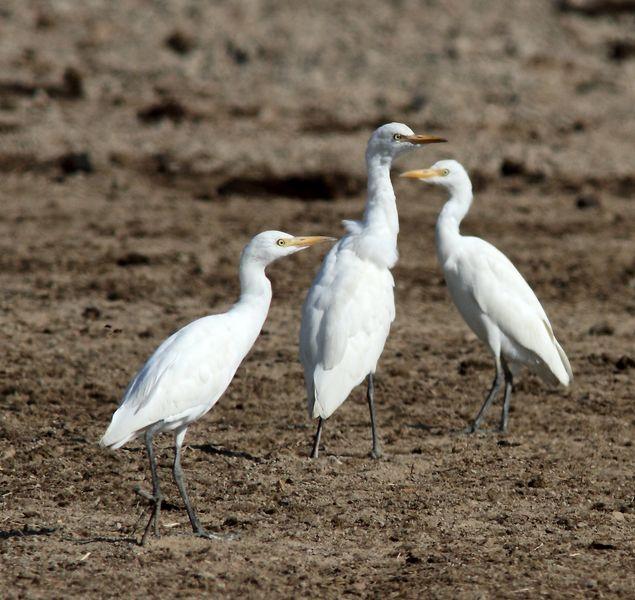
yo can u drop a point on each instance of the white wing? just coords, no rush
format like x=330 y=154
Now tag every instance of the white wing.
x=346 y=319
x=483 y=280
x=183 y=379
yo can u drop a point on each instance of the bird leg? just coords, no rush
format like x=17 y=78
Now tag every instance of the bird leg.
x=370 y=395
x=509 y=385
x=498 y=380
x=177 y=471
x=156 y=498
x=316 y=442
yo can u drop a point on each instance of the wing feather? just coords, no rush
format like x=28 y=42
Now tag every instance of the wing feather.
x=345 y=322
x=506 y=298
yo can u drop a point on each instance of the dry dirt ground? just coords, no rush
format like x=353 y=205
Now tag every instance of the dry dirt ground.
x=143 y=143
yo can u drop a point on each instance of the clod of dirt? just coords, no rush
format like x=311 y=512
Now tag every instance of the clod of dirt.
x=133 y=259
x=72 y=85
x=44 y=20
x=620 y=50
x=510 y=168
x=416 y=103
x=595 y=545
x=317 y=186
x=412 y=559
x=75 y=162
x=70 y=88
x=536 y=482
x=565 y=523
x=596 y=7
x=507 y=444
x=166 y=109
x=180 y=42
x=585 y=201
x=624 y=363
x=238 y=54
x=91 y=312
x=601 y=329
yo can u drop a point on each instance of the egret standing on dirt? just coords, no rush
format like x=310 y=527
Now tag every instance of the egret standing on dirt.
x=347 y=313
x=492 y=296
x=191 y=369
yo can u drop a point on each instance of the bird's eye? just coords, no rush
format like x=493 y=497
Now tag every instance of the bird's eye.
x=397 y=137
x=281 y=242
x=446 y=172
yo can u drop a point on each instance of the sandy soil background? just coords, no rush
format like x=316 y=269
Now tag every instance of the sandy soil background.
x=143 y=143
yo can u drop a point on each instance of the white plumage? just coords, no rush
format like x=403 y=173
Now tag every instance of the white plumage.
x=347 y=313
x=187 y=374
x=191 y=369
x=491 y=295
x=345 y=322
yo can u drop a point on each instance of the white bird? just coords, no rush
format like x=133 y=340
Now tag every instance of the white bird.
x=492 y=296
x=347 y=313
x=192 y=368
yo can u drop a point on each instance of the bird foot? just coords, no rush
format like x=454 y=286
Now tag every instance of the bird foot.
x=147 y=495
x=153 y=522
x=470 y=429
x=376 y=453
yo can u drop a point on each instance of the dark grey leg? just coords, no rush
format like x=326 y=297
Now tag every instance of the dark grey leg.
x=509 y=386
x=180 y=483
x=370 y=395
x=156 y=497
x=316 y=442
x=496 y=385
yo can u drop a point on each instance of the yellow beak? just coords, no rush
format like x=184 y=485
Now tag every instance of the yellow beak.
x=306 y=241
x=422 y=174
x=424 y=139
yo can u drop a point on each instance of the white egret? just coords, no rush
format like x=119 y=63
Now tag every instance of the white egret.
x=191 y=369
x=347 y=313
x=492 y=296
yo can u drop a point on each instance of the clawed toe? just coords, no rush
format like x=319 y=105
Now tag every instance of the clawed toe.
x=376 y=453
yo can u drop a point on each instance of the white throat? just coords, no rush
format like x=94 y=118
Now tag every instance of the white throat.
x=381 y=206
x=449 y=221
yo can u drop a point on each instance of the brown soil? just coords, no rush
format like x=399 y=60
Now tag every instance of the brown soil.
x=142 y=144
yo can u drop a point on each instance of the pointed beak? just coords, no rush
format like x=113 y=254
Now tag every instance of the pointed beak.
x=424 y=139
x=422 y=174
x=306 y=241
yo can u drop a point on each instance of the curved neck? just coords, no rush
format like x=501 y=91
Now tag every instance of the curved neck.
x=449 y=221
x=255 y=287
x=381 y=208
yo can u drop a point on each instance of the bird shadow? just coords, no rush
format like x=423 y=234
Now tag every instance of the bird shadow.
x=432 y=429
x=103 y=538
x=26 y=532
x=209 y=449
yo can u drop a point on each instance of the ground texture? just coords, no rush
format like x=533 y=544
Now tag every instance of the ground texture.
x=143 y=143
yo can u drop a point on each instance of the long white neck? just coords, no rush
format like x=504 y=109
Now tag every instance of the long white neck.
x=449 y=221
x=380 y=214
x=255 y=288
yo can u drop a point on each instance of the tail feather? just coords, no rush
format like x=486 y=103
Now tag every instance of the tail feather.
x=556 y=363
x=565 y=362
x=122 y=429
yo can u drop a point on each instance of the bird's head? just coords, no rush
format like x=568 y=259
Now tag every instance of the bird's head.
x=394 y=139
x=271 y=245
x=447 y=173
